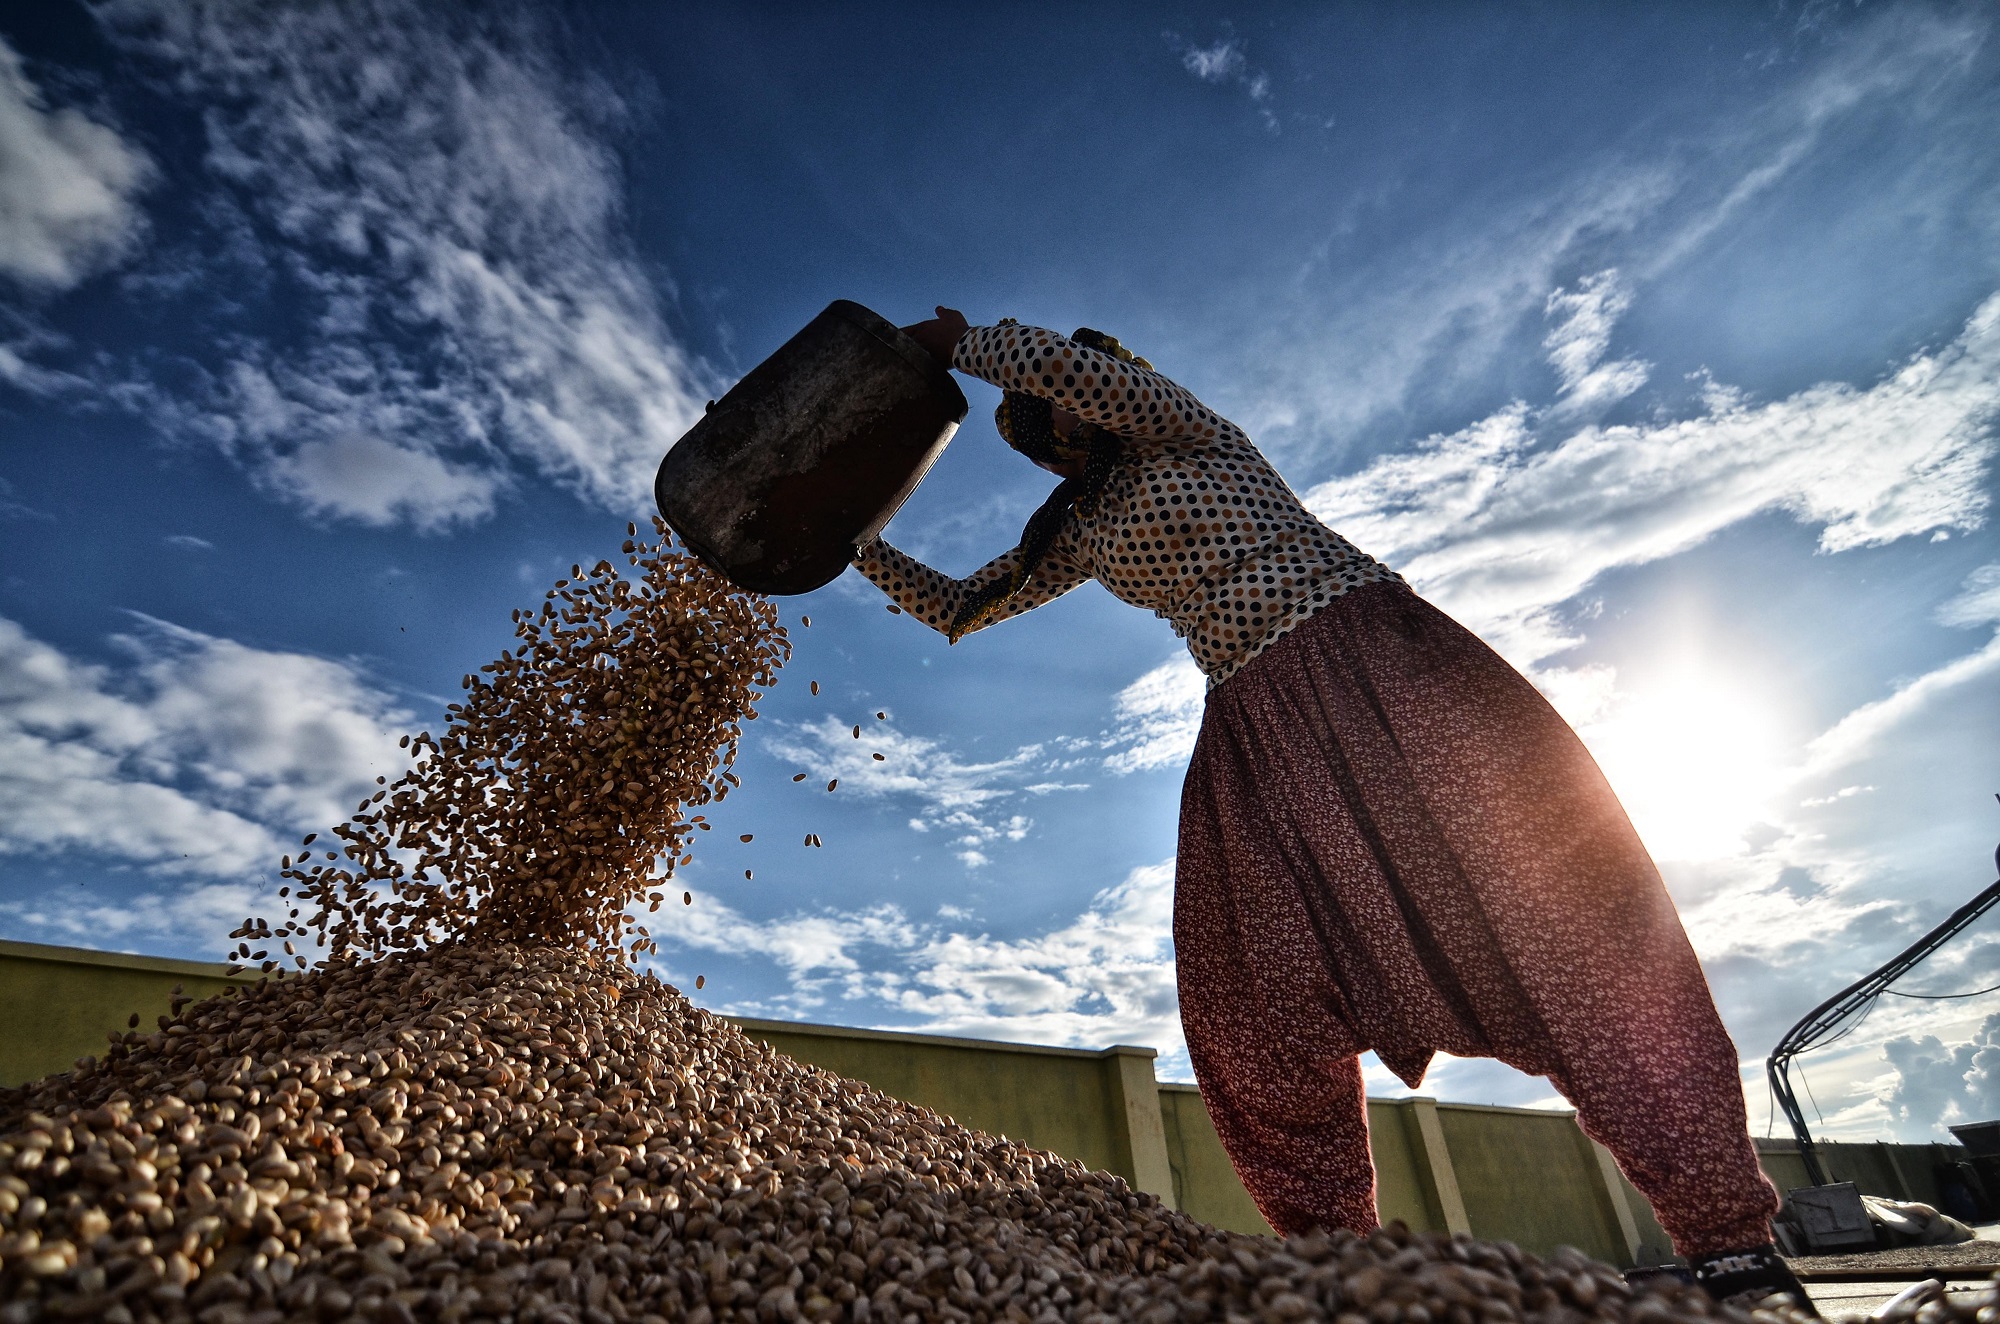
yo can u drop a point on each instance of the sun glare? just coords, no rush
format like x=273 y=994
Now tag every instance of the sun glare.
x=1696 y=761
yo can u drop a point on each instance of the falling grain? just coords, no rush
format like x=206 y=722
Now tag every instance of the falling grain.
x=564 y=774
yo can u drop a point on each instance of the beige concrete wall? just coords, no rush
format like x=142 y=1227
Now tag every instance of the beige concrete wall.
x=1574 y=1197
x=1205 y=1185
x=1406 y=1185
x=59 y=1003
x=1901 y=1172
x=1519 y=1174
x=1075 y=1102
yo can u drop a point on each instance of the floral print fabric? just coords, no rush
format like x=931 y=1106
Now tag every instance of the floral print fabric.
x=1390 y=841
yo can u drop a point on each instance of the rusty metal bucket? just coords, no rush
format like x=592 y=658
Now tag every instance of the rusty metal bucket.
x=807 y=457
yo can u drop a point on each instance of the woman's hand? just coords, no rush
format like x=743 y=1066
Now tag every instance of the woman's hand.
x=940 y=335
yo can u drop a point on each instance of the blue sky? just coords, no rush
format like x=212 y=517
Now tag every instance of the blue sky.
x=1661 y=346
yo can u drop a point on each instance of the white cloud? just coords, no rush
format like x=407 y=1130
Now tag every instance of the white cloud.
x=1978 y=603
x=1935 y=1085
x=1362 y=347
x=67 y=187
x=1226 y=60
x=372 y=481
x=433 y=194
x=1861 y=732
x=1584 y=318
x=196 y=917
x=1217 y=63
x=961 y=799
x=1901 y=58
x=197 y=755
x=813 y=950
x=1105 y=977
x=1157 y=718
x=1500 y=526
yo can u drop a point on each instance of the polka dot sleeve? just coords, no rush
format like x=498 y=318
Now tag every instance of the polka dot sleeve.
x=1121 y=397
x=934 y=597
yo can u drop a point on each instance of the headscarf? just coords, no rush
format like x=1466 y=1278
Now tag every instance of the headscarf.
x=1027 y=423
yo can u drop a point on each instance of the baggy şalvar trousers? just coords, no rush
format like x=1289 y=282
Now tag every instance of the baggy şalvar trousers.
x=1389 y=840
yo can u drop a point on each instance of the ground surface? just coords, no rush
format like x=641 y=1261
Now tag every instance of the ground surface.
x=1860 y=1297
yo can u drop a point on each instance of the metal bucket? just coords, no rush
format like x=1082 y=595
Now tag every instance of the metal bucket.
x=806 y=458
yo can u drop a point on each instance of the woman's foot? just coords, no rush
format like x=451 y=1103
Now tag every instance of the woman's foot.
x=1746 y=1277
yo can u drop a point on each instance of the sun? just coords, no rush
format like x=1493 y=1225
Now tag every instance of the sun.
x=1695 y=757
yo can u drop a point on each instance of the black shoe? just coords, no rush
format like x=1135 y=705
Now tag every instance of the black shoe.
x=1745 y=1278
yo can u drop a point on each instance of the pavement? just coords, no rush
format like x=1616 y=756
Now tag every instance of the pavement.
x=1851 y=1297
x=1844 y=1299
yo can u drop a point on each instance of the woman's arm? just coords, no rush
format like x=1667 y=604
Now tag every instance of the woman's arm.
x=1118 y=396
x=934 y=598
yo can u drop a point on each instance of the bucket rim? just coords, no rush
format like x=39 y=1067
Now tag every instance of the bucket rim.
x=881 y=328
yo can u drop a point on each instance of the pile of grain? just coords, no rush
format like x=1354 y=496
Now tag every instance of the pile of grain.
x=473 y=1108
x=492 y=1131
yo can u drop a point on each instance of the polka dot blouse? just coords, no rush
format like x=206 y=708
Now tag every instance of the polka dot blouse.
x=1194 y=524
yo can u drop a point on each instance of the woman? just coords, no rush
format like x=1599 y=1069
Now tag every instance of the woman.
x=1388 y=839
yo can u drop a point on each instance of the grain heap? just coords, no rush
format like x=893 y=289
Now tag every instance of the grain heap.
x=487 y=1131
x=474 y=1108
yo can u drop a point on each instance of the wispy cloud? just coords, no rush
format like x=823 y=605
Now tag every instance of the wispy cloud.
x=431 y=192
x=1860 y=732
x=1500 y=524
x=1218 y=63
x=1226 y=61
x=1418 y=324
x=68 y=187
x=1157 y=718
x=10 y=508
x=1978 y=602
x=1583 y=319
x=973 y=804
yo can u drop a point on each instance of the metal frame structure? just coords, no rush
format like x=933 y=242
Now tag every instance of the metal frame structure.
x=1831 y=1019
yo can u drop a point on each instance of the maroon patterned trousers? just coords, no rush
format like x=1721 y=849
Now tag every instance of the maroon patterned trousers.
x=1390 y=841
